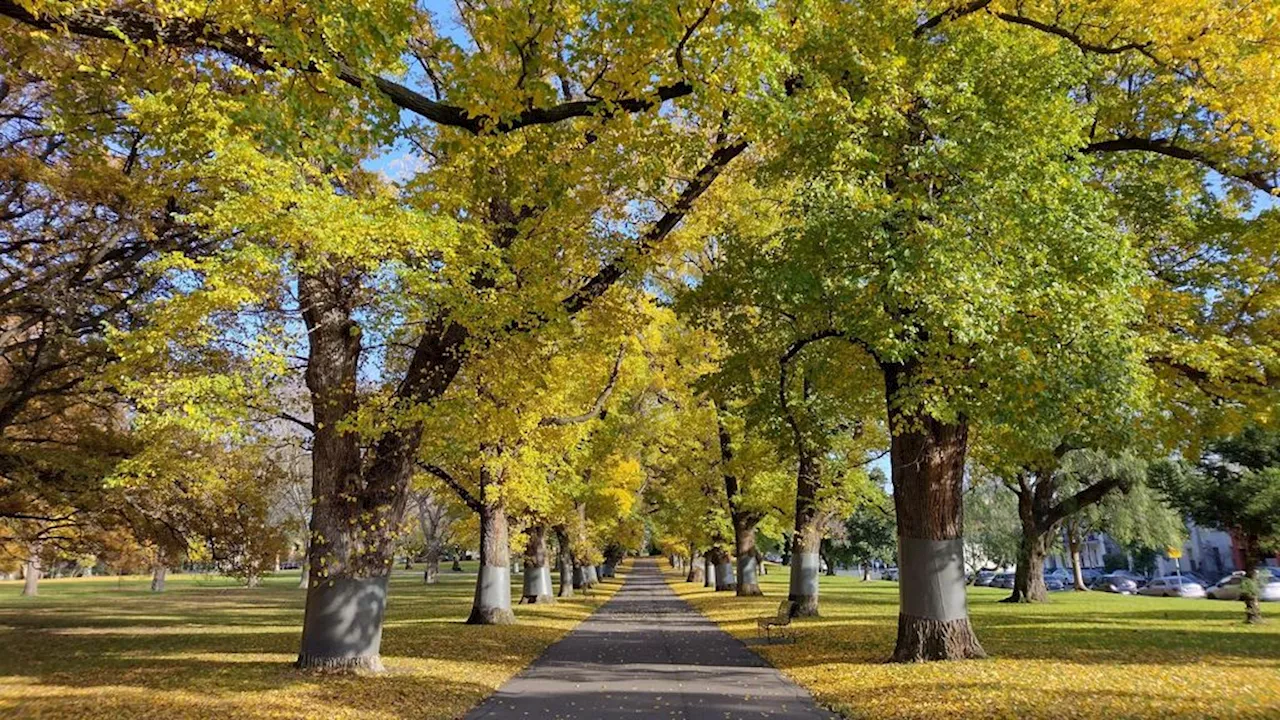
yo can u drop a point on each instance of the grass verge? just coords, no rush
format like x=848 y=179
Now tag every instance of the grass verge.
x=1082 y=655
x=205 y=648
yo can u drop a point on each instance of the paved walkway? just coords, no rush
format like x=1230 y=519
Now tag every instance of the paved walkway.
x=647 y=653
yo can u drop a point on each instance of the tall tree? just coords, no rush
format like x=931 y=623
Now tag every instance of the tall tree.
x=1236 y=487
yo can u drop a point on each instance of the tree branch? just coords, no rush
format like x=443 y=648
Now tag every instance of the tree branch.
x=597 y=408
x=137 y=26
x=466 y=496
x=1267 y=181
x=596 y=286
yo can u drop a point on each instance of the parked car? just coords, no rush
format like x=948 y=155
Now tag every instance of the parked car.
x=984 y=578
x=1138 y=578
x=1054 y=584
x=1063 y=577
x=1228 y=588
x=1193 y=577
x=1091 y=574
x=1114 y=583
x=889 y=573
x=1003 y=580
x=1173 y=586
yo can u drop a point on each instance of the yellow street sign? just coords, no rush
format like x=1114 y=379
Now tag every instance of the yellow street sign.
x=1173 y=552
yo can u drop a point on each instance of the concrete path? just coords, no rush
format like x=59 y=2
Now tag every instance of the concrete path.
x=647 y=653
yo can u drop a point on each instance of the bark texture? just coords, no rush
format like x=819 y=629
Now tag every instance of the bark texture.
x=492 y=602
x=806 y=541
x=564 y=559
x=928 y=457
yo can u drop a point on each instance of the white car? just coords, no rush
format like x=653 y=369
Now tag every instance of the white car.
x=1173 y=586
x=1228 y=588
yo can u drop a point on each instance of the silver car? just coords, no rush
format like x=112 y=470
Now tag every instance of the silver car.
x=1114 y=583
x=1228 y=588
x=1173 y=586
x=1003 y=580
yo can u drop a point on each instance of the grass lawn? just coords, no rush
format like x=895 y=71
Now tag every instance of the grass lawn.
x=205 y=648
x=1081 y=655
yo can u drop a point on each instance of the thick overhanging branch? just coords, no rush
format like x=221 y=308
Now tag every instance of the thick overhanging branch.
x=596 y=286
x=1267 y=181
x=141 y=27
x=464 y=494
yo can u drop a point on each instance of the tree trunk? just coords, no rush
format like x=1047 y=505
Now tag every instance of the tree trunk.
x=866 y=572
x=537 y=569
x=1252 y=559
x=158 y=574
x=457 y=564
x=744 y=542
x=1073 y=544
x=1028 y=582
x=708 y=570
x=695 y=568
x=350 y=550
x=431 y=574
x=492 y=603
x=928 y=458
x=590 y=578
x=564 y=558
x=824 y=551
x=806 y=541
x=724 y=569
x=31 y=572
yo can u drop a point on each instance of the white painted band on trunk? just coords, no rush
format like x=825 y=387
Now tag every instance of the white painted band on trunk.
x=493 y=587
x=724 y=574
x=537 y=581
x=343 y=618
x=931 y=581
x=708 y=574
x=804 y=574
x=748 y=567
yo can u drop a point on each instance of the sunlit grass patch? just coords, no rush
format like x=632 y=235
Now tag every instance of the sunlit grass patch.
x=1081 y=655
x=206 y=648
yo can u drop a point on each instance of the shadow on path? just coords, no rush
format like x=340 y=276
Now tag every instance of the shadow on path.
x=647 y=653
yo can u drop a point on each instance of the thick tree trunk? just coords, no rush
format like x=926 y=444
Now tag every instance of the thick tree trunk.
x=824 y=551
x=695 y=568
x=806 y=541
x=537 y=568
x=744 y=541
x=492 y=603
x=1028 y=583
x=866 y=572
x=928 y=458
x=708 y=570
x=564 y=558
x=590 y=578
x=31 y=572
x=457 y=564
x=724 y=569
x=350 y=552
x=158 y=574
x=431 y=574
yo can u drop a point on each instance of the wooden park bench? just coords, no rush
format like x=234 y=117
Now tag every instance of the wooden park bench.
x=781 y=623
